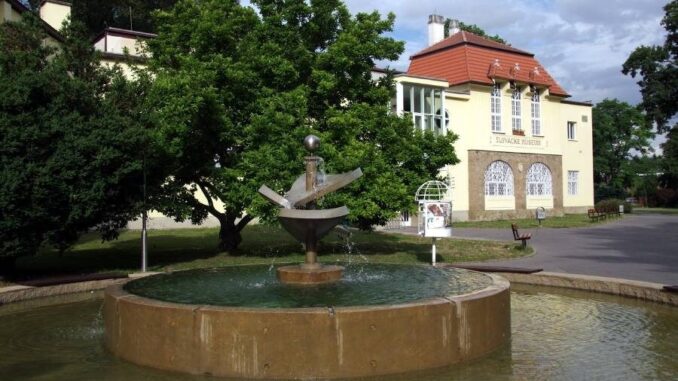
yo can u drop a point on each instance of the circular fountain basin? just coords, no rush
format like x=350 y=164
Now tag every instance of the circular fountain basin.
x=241 y=322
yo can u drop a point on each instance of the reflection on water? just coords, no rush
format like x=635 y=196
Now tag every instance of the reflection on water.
x=557 y=335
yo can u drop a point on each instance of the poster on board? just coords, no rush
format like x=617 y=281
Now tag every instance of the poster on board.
x=435 y=219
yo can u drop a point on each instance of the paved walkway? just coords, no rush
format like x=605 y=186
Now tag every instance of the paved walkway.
x=639 y=247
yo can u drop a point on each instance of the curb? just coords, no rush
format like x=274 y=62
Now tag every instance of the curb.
x=18 y=294
x=615 y=286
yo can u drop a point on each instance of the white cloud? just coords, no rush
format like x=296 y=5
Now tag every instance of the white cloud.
x=582 y=43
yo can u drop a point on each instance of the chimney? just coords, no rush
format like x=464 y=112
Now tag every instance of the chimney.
x=454 y=27
x=436 y=29
x=55 y=12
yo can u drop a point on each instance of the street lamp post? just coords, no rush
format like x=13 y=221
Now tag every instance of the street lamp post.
x=144 y=218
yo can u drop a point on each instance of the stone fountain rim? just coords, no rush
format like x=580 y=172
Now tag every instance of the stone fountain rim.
x=499 y=284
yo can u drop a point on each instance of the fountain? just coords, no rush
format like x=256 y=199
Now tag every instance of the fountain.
x=309 y=225
x=241 y=321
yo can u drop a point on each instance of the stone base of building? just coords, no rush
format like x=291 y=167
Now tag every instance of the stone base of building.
x=577 y=209
x=491 y=215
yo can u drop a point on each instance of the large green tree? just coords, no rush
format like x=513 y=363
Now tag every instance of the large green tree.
x=619 y=131
x=669 y=167
x=658 y=68
x=237 y=89
x=70 y=141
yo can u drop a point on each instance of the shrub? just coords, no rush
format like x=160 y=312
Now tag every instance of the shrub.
x=605 y=192
x=667 y=197
x=613 y=205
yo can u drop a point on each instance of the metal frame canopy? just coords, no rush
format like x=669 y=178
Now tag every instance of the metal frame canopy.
x=433 y=190
x=435 y=212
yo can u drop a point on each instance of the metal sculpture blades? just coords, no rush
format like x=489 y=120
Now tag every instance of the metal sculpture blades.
x=309 y=225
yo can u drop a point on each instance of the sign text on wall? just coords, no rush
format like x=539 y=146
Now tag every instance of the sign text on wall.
x=515 y=140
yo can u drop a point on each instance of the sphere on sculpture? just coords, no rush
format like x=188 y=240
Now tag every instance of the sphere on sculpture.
x=312 y=143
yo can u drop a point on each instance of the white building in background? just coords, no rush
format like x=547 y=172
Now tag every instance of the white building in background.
x=523 y=143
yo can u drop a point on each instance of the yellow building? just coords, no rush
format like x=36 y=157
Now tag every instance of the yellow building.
x=522 y=143
x=117 y=46
x=122 y=47
x=52 y=13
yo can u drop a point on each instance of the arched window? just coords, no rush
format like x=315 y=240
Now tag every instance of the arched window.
x=539 y=182
x=498 y=179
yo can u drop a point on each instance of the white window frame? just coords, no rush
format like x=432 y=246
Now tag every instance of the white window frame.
x=571 y=130
x=516 y=120
x=424 y=119
x=539 y=181
x=572 y=183
x=495 y=108
x=536 y=113
x=498 y=179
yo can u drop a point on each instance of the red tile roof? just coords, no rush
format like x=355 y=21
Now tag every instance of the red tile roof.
x=465 y=57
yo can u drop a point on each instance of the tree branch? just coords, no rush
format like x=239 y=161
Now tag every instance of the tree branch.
x=210 y=204
x=243 y=222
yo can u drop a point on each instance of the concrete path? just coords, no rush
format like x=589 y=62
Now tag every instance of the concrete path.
x=638 y=247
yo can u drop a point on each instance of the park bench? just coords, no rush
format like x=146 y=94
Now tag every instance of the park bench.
x=595 y=215
x=520 y=237
x=603 y=213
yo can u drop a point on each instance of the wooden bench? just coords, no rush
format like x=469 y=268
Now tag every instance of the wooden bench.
x=520 y=237
x=595 y=215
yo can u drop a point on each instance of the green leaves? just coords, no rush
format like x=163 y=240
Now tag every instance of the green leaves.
x=71 y=142
x=241 y=89
x=619 y=132
x=658 y=68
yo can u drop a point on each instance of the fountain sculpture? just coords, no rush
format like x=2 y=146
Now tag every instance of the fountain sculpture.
x=239 y=321
x=309 y=225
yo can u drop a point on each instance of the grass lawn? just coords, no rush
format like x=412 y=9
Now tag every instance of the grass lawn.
x=655 y=210
x=567 y=221
x=196 y=248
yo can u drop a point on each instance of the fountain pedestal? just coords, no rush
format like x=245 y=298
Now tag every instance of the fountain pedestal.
x=305 y=274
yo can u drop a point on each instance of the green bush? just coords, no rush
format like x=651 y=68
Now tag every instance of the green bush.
x=603 y=192
x=628 y=207
x=613 y=205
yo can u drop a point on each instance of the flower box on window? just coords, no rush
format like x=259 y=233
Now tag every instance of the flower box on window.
x=519 y=132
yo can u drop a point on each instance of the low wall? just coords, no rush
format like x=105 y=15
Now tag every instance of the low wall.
x=21 y=293
x=623 y=287
x=307 y=343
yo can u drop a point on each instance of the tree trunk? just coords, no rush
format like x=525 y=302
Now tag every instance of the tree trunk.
x=229 y=236
x=7 y=265
x=229 y=231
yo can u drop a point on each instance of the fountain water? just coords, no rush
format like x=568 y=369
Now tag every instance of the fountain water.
x=242 y=322
x=309 y=225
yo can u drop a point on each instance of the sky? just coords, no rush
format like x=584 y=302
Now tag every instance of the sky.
x=581 y=43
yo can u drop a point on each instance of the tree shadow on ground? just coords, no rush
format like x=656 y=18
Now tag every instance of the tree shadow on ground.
x=170 y=247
